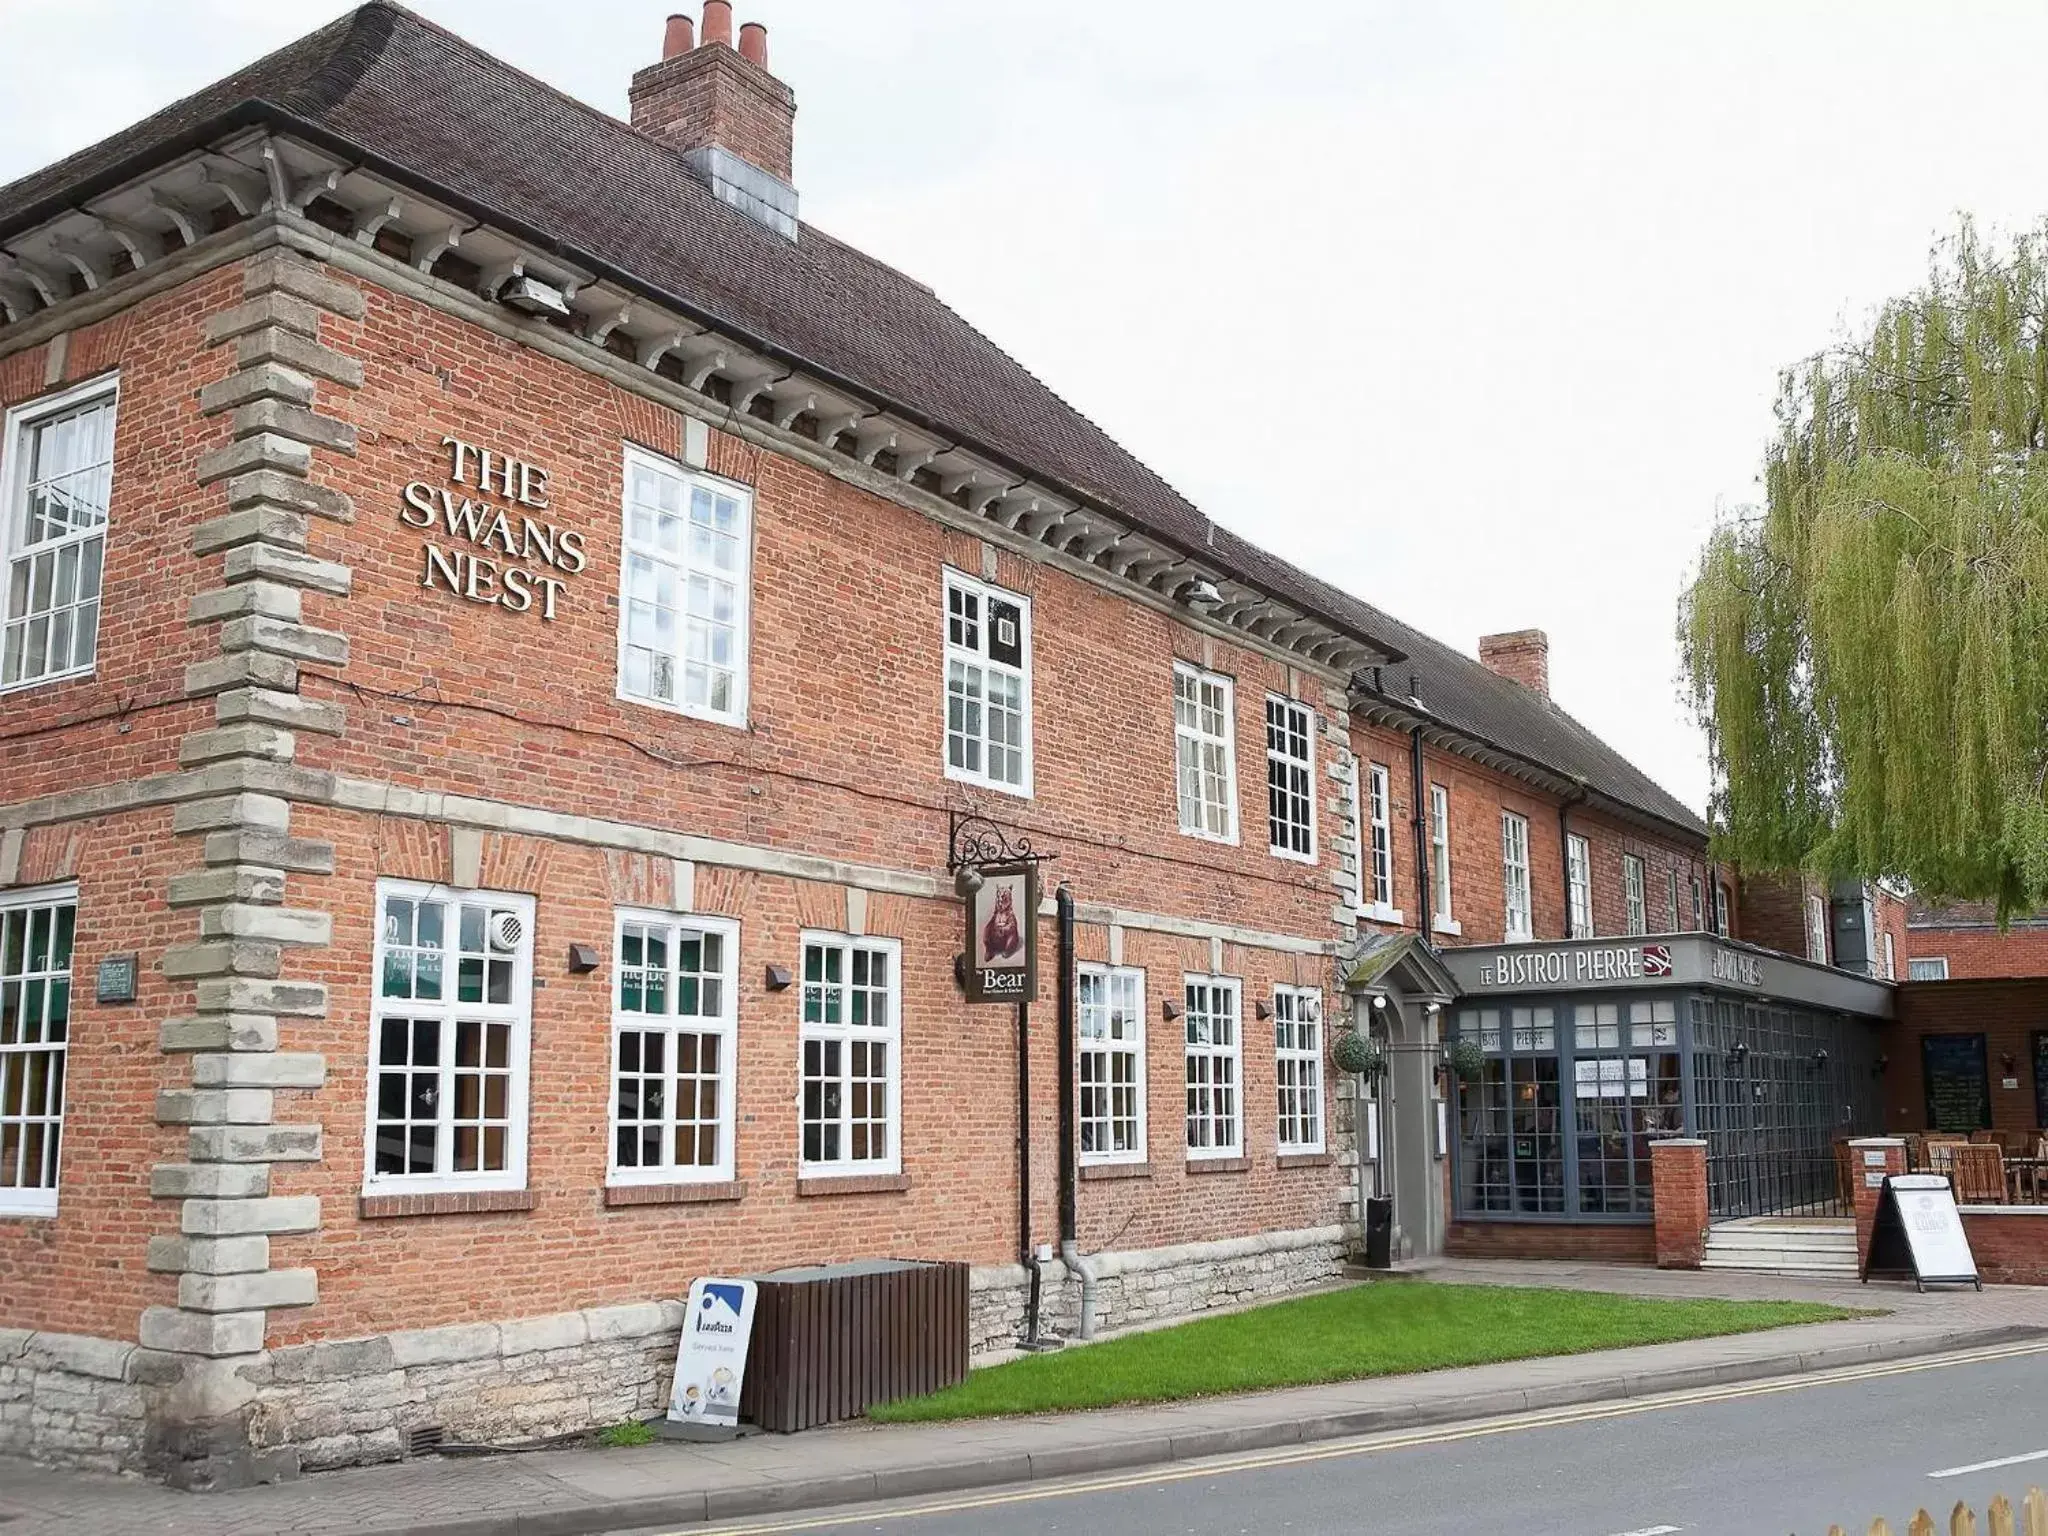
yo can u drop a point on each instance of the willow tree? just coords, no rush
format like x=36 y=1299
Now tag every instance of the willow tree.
x=1868 y=650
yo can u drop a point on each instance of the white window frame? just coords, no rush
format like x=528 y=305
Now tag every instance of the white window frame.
x=1295 y=776
x=1212 y=1056
x=1671 y=897
x=1578 y=866
x=449 y=1012
x=1376 y=865
x=1816 y=928
x=679 y=562
x=1722 y=901
x=722 y=1026
x=1442 y=919
x=1634 y=904
x=981 y=591
x=15 y=429
x=1935 y=967
x=1514 y=880
x=1300 y=1008
x=1891 y=959
x=1185 y=736
x=39 y=1199
x=845 y=1032
x=1106 y=1047
x=1699 y=906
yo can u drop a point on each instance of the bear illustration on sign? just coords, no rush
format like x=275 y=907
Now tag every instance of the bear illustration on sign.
x=1001 y=937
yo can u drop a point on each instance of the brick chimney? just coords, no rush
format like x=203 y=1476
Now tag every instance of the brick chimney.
x=1521 y=657
x=731 y=119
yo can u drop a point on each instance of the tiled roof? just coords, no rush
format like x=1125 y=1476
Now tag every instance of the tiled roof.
x=1968 y=914
x=404 y=96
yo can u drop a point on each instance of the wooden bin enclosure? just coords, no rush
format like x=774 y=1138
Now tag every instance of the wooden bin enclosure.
x=831 y=1340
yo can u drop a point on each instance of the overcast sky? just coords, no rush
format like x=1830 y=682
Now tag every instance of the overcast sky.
x=1473 y=309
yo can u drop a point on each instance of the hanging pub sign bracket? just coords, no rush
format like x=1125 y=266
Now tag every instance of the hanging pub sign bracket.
x=997 y=878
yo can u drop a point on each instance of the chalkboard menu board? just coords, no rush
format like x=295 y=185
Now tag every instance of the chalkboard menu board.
x=1958 y=1082
x=2041 y=1078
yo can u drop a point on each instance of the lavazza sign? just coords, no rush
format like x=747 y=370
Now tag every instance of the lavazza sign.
x=496 y=552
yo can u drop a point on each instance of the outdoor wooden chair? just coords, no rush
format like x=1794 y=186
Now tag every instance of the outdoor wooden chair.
x=1941 y=1152
x=1978 y=1173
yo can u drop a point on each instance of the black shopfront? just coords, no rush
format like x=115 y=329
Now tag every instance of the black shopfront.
x=1589 y=1051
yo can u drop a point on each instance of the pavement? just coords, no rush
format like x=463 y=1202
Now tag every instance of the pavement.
x=575 y=1492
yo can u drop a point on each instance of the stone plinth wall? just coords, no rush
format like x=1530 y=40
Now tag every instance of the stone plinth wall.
x=361 y=1400
x=1147 y=1285
x=71 y=1400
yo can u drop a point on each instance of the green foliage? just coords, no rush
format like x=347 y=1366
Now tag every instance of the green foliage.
x=1381 y=1329
x=626 y=1432
x=1866 y=650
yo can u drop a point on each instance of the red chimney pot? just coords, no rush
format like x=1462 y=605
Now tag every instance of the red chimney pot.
x=754 y=43
x=680 y=37
x=718 y=22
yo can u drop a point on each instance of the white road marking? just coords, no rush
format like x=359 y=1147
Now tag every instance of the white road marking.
x=1986 y=1466
x=1653 y=1530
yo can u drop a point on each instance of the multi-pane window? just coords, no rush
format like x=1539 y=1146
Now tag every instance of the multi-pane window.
x=1290 y=778
x=1205 y=750
x=1514 y=870
x=1626 y=1088
x=448 y=1039
x=988 y=685
x=1440 y=852
x=1579 y=872
x=1214 y=1126
x=1927 y=968
x=1699 y=910
x=848 y=1043
x=1724 y=904
x=1671 y=901
x=1111 y=1022
x=35 y=1024
x=683 y=599
x=1511 y=1139
x=672 y=1049
x=1298 y=1067
x=56 y=475
x=1816 y=928
x=1380 y=871
x=1891 y=959
x=1632 y=903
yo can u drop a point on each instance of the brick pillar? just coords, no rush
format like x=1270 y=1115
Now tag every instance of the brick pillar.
x=1678 y=1194
x=1893 y=1151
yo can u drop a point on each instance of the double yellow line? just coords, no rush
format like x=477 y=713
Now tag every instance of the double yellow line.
x=872 y=1513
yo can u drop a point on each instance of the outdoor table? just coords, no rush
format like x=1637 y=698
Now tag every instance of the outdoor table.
x=2026 y=1180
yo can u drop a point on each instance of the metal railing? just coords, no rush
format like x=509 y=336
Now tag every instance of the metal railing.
x=1749 y=1181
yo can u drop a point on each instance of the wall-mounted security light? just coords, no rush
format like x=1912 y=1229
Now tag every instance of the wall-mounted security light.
x=1201 y=595
x=1820 y=1060
x=966 y=881
x=1738 y=1053
x=531 y=296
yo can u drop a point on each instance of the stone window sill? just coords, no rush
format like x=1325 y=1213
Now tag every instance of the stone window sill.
x=1091 y=1171
x=466 y=1202
x=1306 y=1159
x=1219 y=1165
x=854 y=1184
x=618 y=1195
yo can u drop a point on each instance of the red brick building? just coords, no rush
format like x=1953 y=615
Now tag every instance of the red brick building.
x=502 y=625
x=1964 y=942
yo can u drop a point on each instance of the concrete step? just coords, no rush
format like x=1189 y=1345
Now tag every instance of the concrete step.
x=1849 y=1270
x=1751 y=1243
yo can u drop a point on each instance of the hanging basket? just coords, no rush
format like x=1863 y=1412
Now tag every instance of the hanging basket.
x=1465 y=1060
x=1356 y=1052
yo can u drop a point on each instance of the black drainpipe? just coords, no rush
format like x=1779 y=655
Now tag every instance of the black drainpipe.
x=1025 y=1254
x=1068 y=1221
x=1425 y=921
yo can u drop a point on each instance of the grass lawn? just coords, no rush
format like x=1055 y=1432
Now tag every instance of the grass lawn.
x=1379 y=1329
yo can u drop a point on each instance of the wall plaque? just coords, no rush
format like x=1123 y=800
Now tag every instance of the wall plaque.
x=115 y=980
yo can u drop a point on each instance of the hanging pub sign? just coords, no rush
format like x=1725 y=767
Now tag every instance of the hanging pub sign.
x=1002 y=935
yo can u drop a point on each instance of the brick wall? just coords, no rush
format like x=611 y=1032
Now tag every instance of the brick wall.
x=1980 y=950
x=2008 y=1013
x=2011 y=1247
x=1597 y=1242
